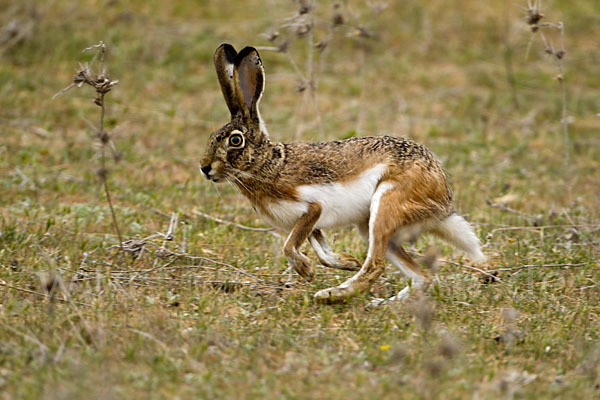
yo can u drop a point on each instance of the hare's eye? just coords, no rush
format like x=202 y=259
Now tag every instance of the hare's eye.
x=236 y=140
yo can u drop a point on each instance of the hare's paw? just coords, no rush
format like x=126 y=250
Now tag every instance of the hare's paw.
x=399 y=297
x=334 y=295
x=377 y=302
x=348 y=262
x=302 y=266
x=341 y=261
x=339 y=293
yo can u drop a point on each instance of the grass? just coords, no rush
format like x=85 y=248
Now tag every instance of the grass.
x=194 y=325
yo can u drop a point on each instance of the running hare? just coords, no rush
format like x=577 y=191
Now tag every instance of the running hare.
x=389 y=187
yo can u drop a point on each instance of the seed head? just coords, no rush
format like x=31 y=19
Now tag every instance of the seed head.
x=338 y=17
x=104 y=137
x=322 y=45
x=272 y=36
x=434 y=366
x=49 y=281
x=102 y=173
x=533 y=17
x=449 y=347
x=284 y=46
x=305 y=7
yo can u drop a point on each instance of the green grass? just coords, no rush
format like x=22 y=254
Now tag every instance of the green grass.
x=193 y=328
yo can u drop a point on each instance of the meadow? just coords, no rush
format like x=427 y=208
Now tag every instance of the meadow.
x=198 y=301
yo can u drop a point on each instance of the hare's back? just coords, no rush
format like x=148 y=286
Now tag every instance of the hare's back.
x=345 y=160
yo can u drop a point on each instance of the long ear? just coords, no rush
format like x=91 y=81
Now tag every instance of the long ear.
x=249 y=78
x=224 y=60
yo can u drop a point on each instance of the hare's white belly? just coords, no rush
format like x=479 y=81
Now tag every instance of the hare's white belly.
x=343 y=203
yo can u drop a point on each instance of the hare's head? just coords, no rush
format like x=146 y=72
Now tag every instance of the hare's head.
x=233 y=149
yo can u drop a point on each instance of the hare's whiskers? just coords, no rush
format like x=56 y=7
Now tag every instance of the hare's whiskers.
x=237 y=182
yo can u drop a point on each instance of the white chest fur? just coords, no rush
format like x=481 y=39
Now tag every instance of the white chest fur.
x=343 y=204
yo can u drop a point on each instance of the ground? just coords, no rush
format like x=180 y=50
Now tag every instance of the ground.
x=212 y=310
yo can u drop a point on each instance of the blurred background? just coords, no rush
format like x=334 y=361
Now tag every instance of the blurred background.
x=478 y=82
x=462 y=77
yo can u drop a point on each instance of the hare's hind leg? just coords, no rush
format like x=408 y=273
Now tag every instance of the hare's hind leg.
x=400 y=258
x=328 y=257
x=389 y=209
x=403 y=261
x=409 y=267
x=297 y=236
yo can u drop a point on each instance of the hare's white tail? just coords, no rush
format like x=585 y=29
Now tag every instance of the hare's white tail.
x=458 y=232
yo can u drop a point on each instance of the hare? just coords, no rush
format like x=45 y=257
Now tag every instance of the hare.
x=390 y=188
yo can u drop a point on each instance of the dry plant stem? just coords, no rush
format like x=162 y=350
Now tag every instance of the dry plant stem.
x=481 y=271
x=533 y=18
x=361 y=97
x=559 y=56
x=304 y=25
x=518 y=228
x=309 y=79
x=312 y=83
x=102 y=85
x=169 y=236
x=508 y=65
x=563 y=89
x=537 y=266
x=102 y=134
x=136 y=245
x=19 y=289
x=172 y=228
x=247 y=228
x=511 y=210
x=29 y=337
x=295 y=66
x=103 y=174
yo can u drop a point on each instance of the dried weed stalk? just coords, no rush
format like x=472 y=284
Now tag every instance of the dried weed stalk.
x=19 y=22
x=533 y=17
x=317 y=31
x=102 y=84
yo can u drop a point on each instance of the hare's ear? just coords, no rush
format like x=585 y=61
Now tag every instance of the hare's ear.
x=224 y=59
x=249 y=78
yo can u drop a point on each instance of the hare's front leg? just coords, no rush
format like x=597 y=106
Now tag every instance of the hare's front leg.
x=291 y=248
x=328 y=257
x=390 y=208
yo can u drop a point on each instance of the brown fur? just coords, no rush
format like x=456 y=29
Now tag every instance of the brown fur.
x=272 y=171
x=396 y=208
x=267 y=173
x=407 y=259
x=341 y=261
x=297 y=236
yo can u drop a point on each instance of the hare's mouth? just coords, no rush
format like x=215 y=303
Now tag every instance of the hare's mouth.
x=214 y=177
x=211 y=174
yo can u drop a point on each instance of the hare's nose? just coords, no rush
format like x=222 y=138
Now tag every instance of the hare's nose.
x=206 y=170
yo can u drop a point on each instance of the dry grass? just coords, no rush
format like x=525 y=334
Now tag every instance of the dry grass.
x=203 y=305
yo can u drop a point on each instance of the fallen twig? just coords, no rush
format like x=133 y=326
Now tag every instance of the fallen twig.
x=536 y=266
x=516 y=228
x=504 y=207
x=481 y=271
x=136 y=246
x=19 y=289
x=248 y=228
